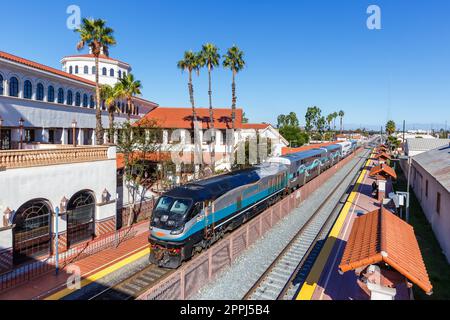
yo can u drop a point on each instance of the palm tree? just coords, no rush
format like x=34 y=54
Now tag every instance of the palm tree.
x=210 y=57
x=98 y=37
x=128 y=88
x=234 y=60
x=190 y=62
x=390 y=127
x=110 y=95
x=341 y=115
x=335 y=115
x=329 y=120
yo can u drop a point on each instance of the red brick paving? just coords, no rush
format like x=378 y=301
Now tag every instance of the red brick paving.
x=49 y=283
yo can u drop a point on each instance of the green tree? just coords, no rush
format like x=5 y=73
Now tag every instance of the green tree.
x=209 y=57
x=128 y=88
x=138 y=143
x=311 y=118
x=390 y=127
x=335 y=115
x=190 y=63
x=110 y=95
x=288 y=126
x=329 y=120
x=234 y=60
x=341 y=116
x=98 y=37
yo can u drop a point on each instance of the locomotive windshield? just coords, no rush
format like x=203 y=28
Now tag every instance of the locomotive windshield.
x=172 y=206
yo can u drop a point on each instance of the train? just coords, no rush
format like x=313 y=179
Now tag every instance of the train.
x=190 y=218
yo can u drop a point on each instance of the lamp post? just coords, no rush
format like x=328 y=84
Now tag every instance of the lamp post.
x=74 y=130
x=21 y=122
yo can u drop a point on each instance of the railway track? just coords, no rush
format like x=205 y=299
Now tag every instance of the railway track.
x=281 y=279
x=132 y=287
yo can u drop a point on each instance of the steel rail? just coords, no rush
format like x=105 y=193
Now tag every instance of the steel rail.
x=301 y=232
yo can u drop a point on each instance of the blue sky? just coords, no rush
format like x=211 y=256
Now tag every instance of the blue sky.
x=298 y=53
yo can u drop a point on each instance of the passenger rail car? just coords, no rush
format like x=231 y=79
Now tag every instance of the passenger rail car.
x=192 y=217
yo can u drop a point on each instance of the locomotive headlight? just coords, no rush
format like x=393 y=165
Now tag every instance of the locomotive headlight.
x=170 y=223
x=177 y=231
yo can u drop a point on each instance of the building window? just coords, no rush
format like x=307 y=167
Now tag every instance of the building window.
x=85 y=100
x=438 y=203
x=78 y=99
x=69 y=98
x=80 y=218
x=76 y=69
x=104 y=72
x=1 y=85
x=93 y=70
x=86 y=70
x=13 y=87
x=70 y=69
x=29 y=135
x=60 y=95
x=111 y=72
x=92 y=103
x=426 y=188
x=40 y=92
x=27 y=89
x=120 y=74
x=123 y=107
x=51 y=94
x=124 y=74
x=137 y=111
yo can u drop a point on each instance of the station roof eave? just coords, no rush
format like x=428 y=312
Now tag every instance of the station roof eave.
x=381 y=236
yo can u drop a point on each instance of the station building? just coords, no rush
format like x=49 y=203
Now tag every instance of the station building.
x=43 y=111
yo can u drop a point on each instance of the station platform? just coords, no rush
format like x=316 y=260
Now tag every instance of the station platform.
x=324 y=282
x=92 y=268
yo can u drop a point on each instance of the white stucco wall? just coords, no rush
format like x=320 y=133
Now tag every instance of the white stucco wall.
x=17 y=186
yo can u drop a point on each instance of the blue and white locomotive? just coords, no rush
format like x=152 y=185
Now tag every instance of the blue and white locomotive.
x=192 y=217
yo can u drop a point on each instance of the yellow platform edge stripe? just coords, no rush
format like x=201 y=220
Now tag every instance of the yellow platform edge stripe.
x=98 y=275
x=310 y=284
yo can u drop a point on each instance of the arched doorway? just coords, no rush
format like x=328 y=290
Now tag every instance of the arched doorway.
x=32 y=231
x=80 y=217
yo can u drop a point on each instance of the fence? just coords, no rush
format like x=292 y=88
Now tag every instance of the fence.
x=190 y=277
x=38 y=268
x=144 y=212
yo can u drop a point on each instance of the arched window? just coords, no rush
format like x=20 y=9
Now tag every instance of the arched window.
x=123 y=107
x=76 y=69
x=92 y=102
x=104 y=71
x=69 y=97
x=80 y=217
x=137 y=111
x=78 y=99
x=85 y=100
x=86 y=70
x=120 y=74
x=1 y=85
x=93 y=70
x=13 y=87
x=111 y=72
x=27 y=89
x=32 y=230
x=61 y=95
x=70 y=69
x=40 y=92
x=51 y=94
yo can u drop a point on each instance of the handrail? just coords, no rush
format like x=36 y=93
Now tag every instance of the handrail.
x=12 y=159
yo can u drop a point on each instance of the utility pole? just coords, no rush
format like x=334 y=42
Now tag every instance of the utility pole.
x=404 y=142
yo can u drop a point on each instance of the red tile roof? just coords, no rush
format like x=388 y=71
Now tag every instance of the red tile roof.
x=381 y=236
x=181 y=118
x=287 y=150
x=102 y=56
x=383 y=155
x=35 y=65
x=154 y=156
x=384 y=170
x=256 y=126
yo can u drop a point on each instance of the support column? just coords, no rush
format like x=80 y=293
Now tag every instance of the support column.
x=64 y=136
x=80 y=138
x=94 y=138
x=45 y=135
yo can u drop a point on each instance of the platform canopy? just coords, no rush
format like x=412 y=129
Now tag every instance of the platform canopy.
x=383 y=155
x=382 y=237
x=384 y=171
